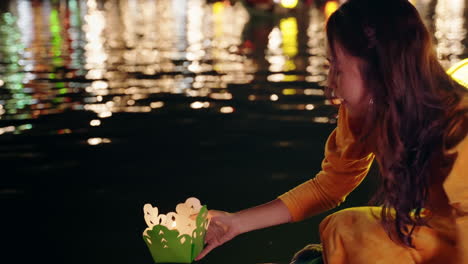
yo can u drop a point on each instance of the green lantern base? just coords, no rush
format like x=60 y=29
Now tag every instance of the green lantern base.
x=168 y=246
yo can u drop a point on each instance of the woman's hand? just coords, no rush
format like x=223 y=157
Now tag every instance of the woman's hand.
x=225 y=226
x=222 y=228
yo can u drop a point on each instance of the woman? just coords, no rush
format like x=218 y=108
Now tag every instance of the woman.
x=401 y=108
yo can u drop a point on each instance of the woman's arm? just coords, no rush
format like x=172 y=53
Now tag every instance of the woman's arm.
x=225 y=226
x=346 y=163
x=272 y=213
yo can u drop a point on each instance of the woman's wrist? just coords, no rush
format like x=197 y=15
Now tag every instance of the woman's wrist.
x=240 y=223
x=262 y=216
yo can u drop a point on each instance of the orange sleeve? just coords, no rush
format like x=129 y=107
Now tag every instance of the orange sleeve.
x=456 y=188
x=345 y=165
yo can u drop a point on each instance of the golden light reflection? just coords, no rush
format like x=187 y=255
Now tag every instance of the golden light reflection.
x=282 y=49
x=218 y=7
x=317 y=92
x=221 y=96
x=158 y=104
x=96 y=54
x=196 y=37
x=136 y=109
x=199 y=105
x=449 y=30
x=228 y=24
x=97 y=141
x=137 y=53
x=105 y=114
x=332 y=102
x=322 y=119
x=99 y=85
x=97 y=59
x=289 y=3
x=13 y=129
x=316 y=47
x=8 y=129
x=289 y=91
x=26 y=24
x=274 y=53
x=226 y=109
x=330 y=8
x=95 y=122
x=288 y=28
x=152 y=42
x=309 y=107
x=277 y=77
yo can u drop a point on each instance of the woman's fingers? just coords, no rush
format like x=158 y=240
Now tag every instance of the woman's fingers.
x=212 y=244
x=218 y=233
x=214 y=230
x=206 y=250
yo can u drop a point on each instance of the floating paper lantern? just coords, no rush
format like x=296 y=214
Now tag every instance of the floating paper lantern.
x=176 y=237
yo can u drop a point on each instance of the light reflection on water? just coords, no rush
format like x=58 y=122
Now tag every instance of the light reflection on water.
x=142 y=56
x=450 y=31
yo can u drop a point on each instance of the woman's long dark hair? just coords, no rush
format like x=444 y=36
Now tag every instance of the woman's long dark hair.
x=416 y=104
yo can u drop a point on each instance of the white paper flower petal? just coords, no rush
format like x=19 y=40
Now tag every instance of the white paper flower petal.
x=182 y=219
x=194 y=205
x=171 y=220
x=161 y=220
x=183 y=209
x=151 y=215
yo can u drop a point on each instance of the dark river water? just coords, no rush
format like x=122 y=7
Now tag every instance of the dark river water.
x=108 y=105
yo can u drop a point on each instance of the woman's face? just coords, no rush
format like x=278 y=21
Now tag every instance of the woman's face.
x=347 y=83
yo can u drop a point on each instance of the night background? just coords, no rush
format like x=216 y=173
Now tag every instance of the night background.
x=108 y=105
